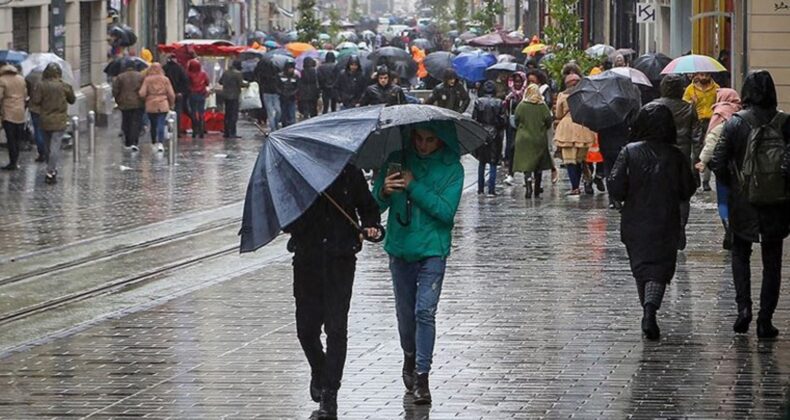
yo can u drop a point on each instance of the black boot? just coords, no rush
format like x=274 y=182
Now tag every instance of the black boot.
x=422 y=391
x=409 y=363
x=741 y=325
x=727 y=242
x=649 y=324
x=528 y=186
x=588 y=188
x=328 y=408
x=599 y=184
x=315 y=386
x=682 y=241
x=766 y=329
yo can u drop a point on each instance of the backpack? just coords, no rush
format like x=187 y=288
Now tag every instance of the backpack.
x=761 y=178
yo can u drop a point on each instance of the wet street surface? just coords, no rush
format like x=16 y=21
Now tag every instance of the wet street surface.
x=539 y=316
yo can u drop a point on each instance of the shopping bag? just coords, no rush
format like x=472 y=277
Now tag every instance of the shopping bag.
x=250 y=98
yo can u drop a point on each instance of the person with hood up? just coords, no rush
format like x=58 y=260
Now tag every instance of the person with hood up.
x=327 y=81
x=159 y=98
x=488 y=111
x=232 y=81
x=126 y=91
x=573 y=140
x=685 y=118
x=180 y=82
x=702 y=94
x=532 y=156
x=767 y=224
x=517 y=85
x=728 y=102
x=289 y=81
x=652 y=177
x=351 y=84
x=13 y=93
x=309 y=90
x=198 y=91
x=32 y=81
x=384 y=91
x=268 y=77
x=450 y=94
x=422 y=190
x=52 y=99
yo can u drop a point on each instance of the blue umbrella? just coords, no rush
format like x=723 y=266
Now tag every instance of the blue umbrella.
x=472 y=66
x=298 y=163
x=12 y=56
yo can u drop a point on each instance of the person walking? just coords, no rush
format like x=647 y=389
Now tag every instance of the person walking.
x=325 y=245
x=652 y=177
x=327 y=82
x=422 y=191
x=268 y=77
x=766 y=220
x=32 y=81
x=450 y=94
x=351 y=84
x=702 y=94
x=308 y=89
x=383 y=91
x=685 y=118
x=198 y=91
x=159 y=98
x=180 y=82
x=289 y=82
x=517 y=85
x=573 y=140
x=126 y=90
x=728 y=102
x=52 y=99
x=532 y=156
x=232 y=81
x=13 y=93
x=488 y=111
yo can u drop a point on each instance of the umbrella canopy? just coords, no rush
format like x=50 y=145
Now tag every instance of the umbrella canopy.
x=347 y=45
x=625 y=52
x=12 y=56
x=423 y=43
x=324 y=37
x=602 y=101
x=367 y=33
x=437 y=62
x=397 y=59
x=367 y=65
x=472 y=66
x=299 y=48
x=600 y=50
x=299 y=162
x=508 y=68
x=271 y=44
x=279 y=51
x=350 y=36
x=37 y=62
x=693 y=64
x=117 y=66
x=466 y=36
x=279 y=60
x=465 y=49
x=496 y=39
x=534 y=48
x=652 y=65
x=123 y=34
x=636 y=76
x=505 y=58
x=315 y=55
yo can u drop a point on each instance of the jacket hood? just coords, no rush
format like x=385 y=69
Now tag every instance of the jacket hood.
x=654 y=123
x=330 y=57
x=52 y=71
x=155 y=70
x=446 y=132
x=449 y=74
x=309 y=62
x=354 y=59
x=193 y=66
x=8 y=69
x=759 y=90
x=673 y=86
x=489 y=87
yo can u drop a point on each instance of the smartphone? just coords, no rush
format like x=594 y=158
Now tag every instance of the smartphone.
x=394 y=167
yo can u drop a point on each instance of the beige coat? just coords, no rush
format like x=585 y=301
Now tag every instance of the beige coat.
x=157 y=91
x=13 y=93
x=568 y=133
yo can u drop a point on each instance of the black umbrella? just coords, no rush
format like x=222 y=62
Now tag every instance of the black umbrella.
x=437 y=62
x=423 y=44
x=124 y=35
x=508 y=68
x=391 y=54
x=279 y=60
x=652 y=65
x=599 y=102
x=298 y=163
x=118 y=65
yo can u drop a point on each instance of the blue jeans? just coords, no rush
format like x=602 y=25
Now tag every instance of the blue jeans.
x=273 y=111
x=289 y=111
x=197 y=112
x=722 y=193
x=157 y=126
x=481 y=177
x=417 y=287
x=38 y=134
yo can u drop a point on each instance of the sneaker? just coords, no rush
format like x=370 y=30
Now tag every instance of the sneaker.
x=588 y=188
x=10 y=167
x=134 y=148
x=599 y=184
x=51 y=177
x=160 y=147
x=509 y=180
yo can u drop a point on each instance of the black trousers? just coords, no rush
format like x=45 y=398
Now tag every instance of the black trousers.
x=231 y=117
x=329 y=101
x=309 y=109
x=15 y=134
x=179 y=108
x=131 y=122
x=322 y=289
x=772 y=275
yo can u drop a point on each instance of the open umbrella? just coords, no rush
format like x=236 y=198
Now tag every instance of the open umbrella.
x=508 y=68
x=466 y=36
x=298 y=48
x=298 y=163
x=12 y=56
x=496 y=39
x=347 y=45
x=625 y=52
x=348 y=36
x=472 y=66
x=123 y=34
x=365 y=64
x=505 y=58
x=534 y=48
x=437 y=62
x=311 y=54
x=279 y=51
x=636 y=76
x=599 y=102
x=693 y=64
x=423 y=43
x=652 y=65
x=37 y=62
x=117 y=66
x=600 y=50
x=279 y=60
x=396 y=59
x=271 y=44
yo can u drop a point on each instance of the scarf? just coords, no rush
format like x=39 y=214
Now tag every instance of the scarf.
x=532 y=95
x=727 y=103
x=519 y=93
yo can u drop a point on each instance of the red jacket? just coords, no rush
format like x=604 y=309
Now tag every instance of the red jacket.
x=198 y=79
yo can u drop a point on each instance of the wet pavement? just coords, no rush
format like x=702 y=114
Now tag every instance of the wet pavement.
x=539 y=318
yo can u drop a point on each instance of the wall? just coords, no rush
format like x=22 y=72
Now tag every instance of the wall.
x=767 y=44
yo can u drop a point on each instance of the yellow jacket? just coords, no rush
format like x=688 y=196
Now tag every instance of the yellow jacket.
x=703 y=99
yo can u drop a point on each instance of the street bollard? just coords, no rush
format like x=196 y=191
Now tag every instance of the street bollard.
x=91 y=132
x=173 y=146
x=75 y=138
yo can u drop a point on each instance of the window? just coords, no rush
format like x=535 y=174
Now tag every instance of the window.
x=86 y=24
x=21 y=29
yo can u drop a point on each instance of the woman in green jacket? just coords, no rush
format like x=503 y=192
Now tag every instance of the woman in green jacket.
x=532 y=156
x=422 y=196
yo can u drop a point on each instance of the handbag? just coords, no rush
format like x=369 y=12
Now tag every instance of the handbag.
x=250 y=97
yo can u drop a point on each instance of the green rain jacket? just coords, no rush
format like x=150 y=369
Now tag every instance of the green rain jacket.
x=434 y=193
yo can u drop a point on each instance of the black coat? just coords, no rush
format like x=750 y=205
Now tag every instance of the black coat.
x=289 y=86
x=308 y=85
x=453 y=97
x=685 y=115
x=613 y=138
x=327 y=76
x=747 y=221
x=350 y=87
x=387 y=95
x=323 y=229
x=490 y=113
x=268 y=77
x=178 y=77
x=652 y=177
